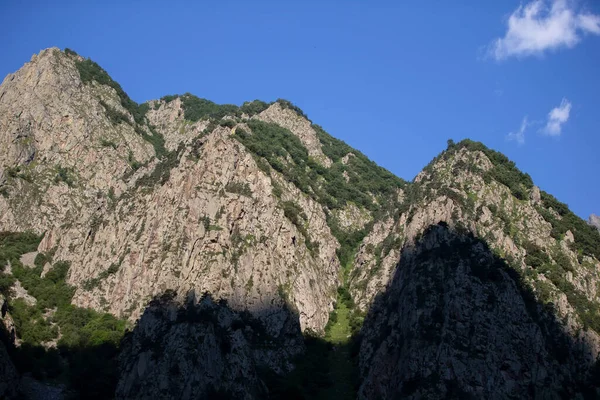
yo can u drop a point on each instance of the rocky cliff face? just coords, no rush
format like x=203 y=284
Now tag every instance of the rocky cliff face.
x=457 y=322
x=59 y=156
x=169 y=196
x=134 y=222
x=268 y=214
x=437 y=321
x=203 y=349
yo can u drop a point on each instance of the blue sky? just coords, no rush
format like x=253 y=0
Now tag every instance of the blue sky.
x=393 y=80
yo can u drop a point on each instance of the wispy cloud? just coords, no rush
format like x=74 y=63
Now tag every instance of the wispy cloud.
x=557 y=117
x=543 y=25
x=519 y=136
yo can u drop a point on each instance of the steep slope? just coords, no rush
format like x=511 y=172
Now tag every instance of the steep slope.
x=63 y=153
x=458 y=322
x=539 y=260
x=254 y=204
x=224 y=358
x=198 y=217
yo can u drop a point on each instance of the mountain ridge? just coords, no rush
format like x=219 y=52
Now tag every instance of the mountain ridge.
x=267 y=212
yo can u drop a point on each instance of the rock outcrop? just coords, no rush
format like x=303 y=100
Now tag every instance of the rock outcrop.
x=594 y=220
x=299 y=126
x=202 y=349
x=457 y=322
x=133 y=222
x=436 y=323
x=62 y=152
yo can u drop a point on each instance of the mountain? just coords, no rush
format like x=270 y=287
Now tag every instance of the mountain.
x=484 y=278
x=185 y=249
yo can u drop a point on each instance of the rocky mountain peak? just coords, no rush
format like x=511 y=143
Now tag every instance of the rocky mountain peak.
x=283 y=114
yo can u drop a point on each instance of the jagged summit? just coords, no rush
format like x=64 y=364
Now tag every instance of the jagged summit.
x=250 y=226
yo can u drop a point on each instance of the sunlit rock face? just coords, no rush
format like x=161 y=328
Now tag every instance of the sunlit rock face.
x=594 y=220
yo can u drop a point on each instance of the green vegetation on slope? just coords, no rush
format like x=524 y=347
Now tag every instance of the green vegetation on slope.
x=12 y=246
x=327 y=370
x=365 y=175
x=553 y=264
x=341 y=365
x=254 y=107
x=504 y=170
x=342 y=332
x=87 y=340
x=90 y=71
x=587 y=238
x=286 y=154
x=196 y=108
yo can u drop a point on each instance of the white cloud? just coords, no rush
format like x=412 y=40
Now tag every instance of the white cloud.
x=539 y=26
x=519 y=136
x=557 y=117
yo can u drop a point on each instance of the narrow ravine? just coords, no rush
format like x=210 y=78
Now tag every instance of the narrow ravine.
x=342 y=367
x=341 y=332
x=329 y=367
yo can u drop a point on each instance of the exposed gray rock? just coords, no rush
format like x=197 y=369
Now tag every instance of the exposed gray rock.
x=431 y=331
x=456 y=323
x=188 y=232
x=50 y=120
x=202 y=350
x=460 y=196
x=536 y=195
x=28 y=259
x=594 y=220
x=19 y=292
